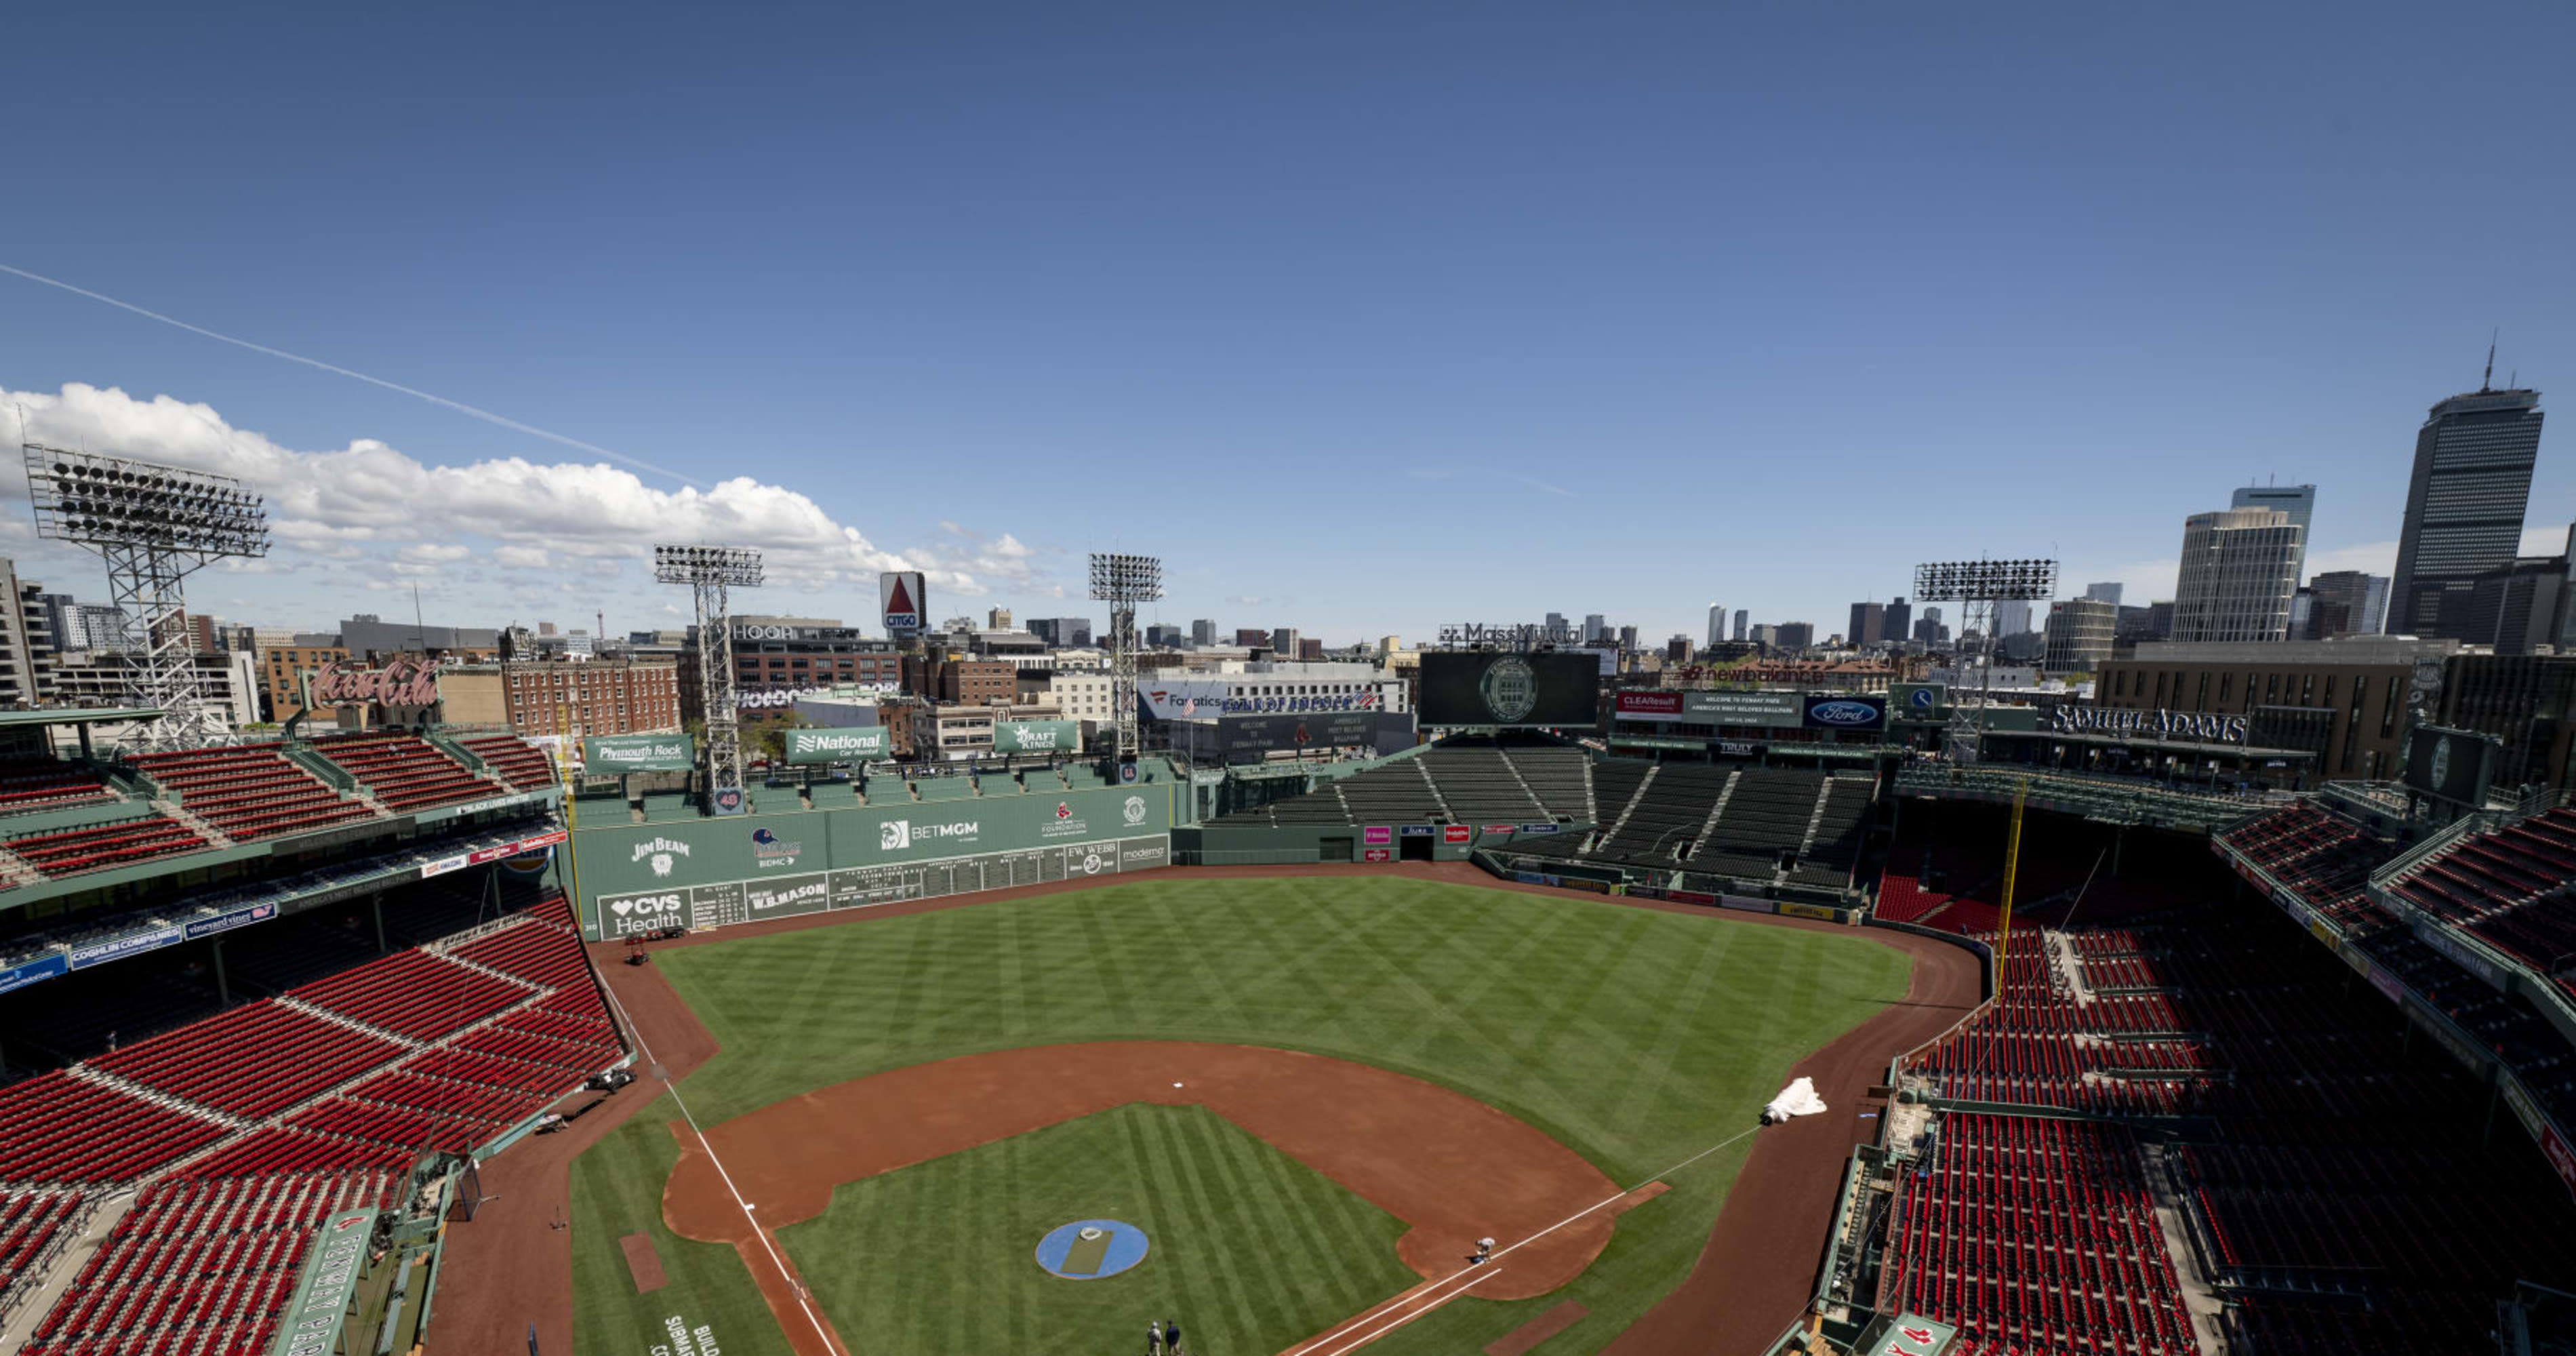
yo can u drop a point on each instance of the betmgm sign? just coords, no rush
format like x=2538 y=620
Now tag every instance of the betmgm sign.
x=639 y=879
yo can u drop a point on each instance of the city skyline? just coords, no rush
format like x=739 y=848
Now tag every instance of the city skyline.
x=1125 y=310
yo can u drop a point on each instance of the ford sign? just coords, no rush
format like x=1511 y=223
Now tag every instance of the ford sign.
x=1846 y=713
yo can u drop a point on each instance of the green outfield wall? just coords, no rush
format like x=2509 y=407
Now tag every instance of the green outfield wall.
x=637 y=878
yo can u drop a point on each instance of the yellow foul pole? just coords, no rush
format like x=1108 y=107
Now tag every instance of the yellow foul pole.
x=2012 y=869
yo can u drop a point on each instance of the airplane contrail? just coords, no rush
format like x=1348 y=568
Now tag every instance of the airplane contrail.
x=416 y=393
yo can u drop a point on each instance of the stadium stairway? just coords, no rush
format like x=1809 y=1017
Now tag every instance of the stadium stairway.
x=180 y=812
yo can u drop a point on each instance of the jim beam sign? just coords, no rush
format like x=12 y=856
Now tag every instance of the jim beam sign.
x=403 y=684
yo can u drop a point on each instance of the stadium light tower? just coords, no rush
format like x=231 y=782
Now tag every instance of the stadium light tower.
x=1122 y=582
x=1978 y=586
x=710 y=571
x=154 y=526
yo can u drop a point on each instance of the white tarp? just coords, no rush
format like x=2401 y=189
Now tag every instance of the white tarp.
x=1797 y=1099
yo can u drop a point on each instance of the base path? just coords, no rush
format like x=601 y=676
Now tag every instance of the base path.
x=1452 y=1167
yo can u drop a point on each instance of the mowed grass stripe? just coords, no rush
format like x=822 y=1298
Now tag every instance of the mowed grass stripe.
x=1637 y=1037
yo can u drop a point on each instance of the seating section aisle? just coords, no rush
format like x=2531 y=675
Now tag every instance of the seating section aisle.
x=2041 y=1234
x=49 y=784
x=2325 y=858
x=2513 y=888
x=201 y=1265
x=96 y=847
x=34 y=1225
x=1841 y=824
x=1668 y=817
x=1766 y=817
x=206 y=1258
x=404 y=772
x=251 y=791
x=518 y=763
x=1480 y=786
x=2322 y=1162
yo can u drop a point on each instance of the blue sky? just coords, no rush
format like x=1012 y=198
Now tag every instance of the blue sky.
x=1365 y=317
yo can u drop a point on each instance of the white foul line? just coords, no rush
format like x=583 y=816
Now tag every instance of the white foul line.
x=673 y=1087
x=1401 y=1319
x=1533 y=1238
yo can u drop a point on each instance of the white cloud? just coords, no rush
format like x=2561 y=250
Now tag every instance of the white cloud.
x=370 y=502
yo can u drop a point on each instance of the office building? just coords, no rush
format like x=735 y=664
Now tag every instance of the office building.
x=1797 y=635
x=2239 y=569
x=1062 y=632
x=1767 y=636
x=2343 y=701
x=1743 y=623
x=1627 y=640
x=1868 y=625
x=1593 y=626
x=1283 y=641
x=997 y=619
x=1161 y=637
x=778 y=659
x=1716 y=625
x=27 y=651
x=2346 y=603
x=1928 y=628
x=2298 y=501
x=565 y=696
x=1899 y=622
x=2012 y=618
x=2521 y=605
x=368 y=636
x=2527 y=701
x=1203 y=631
x=2464 y=505
x=2079 y=635
x=2103 y=593
x=1555 y=624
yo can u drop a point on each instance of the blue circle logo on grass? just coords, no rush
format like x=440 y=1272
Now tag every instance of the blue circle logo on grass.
x=1089 y=1249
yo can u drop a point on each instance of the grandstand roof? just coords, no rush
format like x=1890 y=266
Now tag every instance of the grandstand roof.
x=77 y=715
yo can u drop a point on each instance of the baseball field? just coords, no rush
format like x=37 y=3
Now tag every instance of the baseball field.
x=1266 y=1109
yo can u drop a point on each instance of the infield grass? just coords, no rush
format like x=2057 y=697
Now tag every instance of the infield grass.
x=1250 y=1250
x=1637 y=1037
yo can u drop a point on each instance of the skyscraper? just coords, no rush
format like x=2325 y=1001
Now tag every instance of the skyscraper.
x=2464 y=505
x=1716 y=624
x=1900 y=621
x=1593 y=626
x=2104 y=593
x=1627 y=640
x=2298 y=501
x=2079 y=635
x=2239 y=568
x=1868 y=624
x=2012 y=619
x=1796 y=635
x=1203 y=631
x=2347 y=603
x=1743 y=623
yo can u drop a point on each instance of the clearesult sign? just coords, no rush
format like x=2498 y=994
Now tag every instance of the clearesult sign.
x=852 y=744
x=1649 y=705
x=614 y=754
x=1037 y=736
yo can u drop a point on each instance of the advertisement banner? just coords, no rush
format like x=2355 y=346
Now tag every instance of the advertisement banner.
x=1770 y=710
x=847 y=744
x=1533 y=878
x=609 y=755
x=787 y=896
x=1378 y=855
x=1689 y=897
x=1457 y=833
x=1498 y=830
x=1037 y=736
x=1845 y=713
x=2455 y=765
x=1418 y=831
x=1540 y=828
x=1208 y=698
x=311 y=1324
x=25 y=973
x=1483 y=687
x=1817 y=911
x=1580 y=883
x=226 y=922
x=454 y=862
x=1745 y=903
x=903 y=601
x=1918 y=700
x=1648 y=705
x=1377 y=835
x=118 y=948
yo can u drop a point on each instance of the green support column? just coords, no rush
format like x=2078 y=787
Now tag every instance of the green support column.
x=223 y=988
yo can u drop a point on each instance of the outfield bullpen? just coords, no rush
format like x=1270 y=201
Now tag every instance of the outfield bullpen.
x=1631 y=1039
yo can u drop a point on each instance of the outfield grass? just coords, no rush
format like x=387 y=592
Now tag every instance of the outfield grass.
x=1637 y=1037
x=1251 y=1250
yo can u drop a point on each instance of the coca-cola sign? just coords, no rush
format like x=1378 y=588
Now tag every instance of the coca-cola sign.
x=401 y=682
